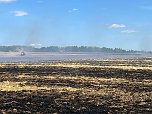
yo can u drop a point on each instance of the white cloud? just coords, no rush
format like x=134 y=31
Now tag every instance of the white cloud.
x=19 y=13
x=32 y=44
x=128 y=31
x=7 y=1
x=73 y=10
x=117 y=26
x=36 y=45
x=39 y=44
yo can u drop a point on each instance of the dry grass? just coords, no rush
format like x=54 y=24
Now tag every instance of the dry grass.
x=20 y=86
x=99 y=86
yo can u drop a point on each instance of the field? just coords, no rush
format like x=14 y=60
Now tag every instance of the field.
x=85 y=86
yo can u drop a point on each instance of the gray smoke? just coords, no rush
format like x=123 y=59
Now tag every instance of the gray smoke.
x=34 y=34
x=146 y=44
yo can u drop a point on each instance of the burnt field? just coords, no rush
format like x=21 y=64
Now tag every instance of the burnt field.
x=86 y=86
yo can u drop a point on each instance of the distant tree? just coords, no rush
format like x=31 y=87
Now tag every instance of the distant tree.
x=64 y=49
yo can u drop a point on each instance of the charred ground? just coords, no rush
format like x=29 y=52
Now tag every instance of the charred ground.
x=87 y=86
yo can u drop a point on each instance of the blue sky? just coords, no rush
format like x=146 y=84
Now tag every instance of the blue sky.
x=111 y=23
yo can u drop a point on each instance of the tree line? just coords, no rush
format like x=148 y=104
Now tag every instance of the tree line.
x=64 y=49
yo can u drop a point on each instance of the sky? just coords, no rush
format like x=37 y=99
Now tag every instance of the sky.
x=122 y=24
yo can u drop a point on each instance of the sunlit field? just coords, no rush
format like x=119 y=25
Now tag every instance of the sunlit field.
x=84 y=86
